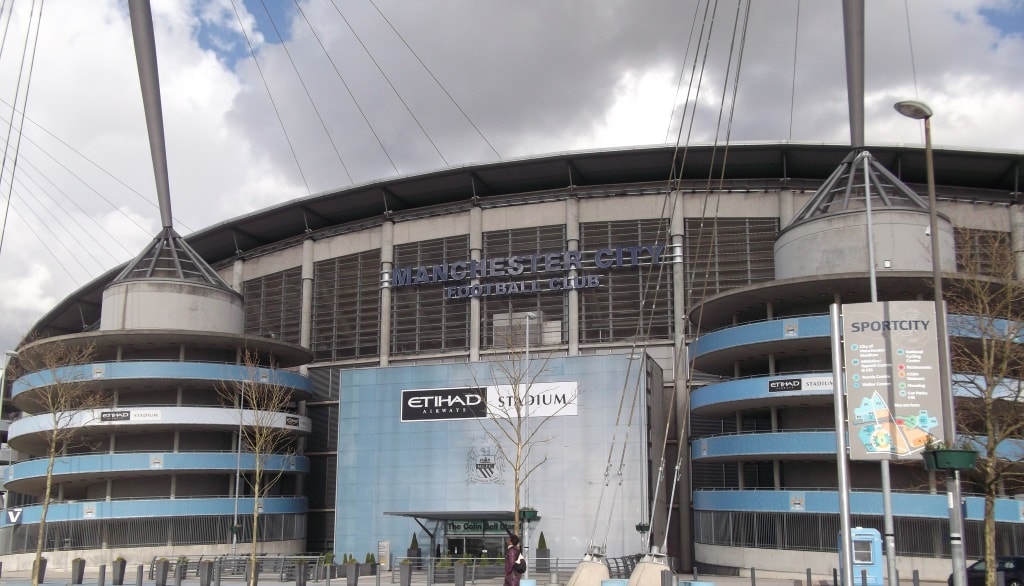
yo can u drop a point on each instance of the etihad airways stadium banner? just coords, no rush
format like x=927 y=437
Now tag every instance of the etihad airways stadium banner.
x=547 y=399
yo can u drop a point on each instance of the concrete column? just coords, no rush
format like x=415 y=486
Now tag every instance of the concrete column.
x=738 y=419
x=679 y=379
x=306 y=315
x=236 y=274
x=776 y=468
x=572 y=237
x=476 y=244
x=1017 y=238
x=305 y=330
x=387 y=265
x=785 y=208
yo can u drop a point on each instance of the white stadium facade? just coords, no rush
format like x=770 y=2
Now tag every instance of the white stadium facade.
x=680 y=312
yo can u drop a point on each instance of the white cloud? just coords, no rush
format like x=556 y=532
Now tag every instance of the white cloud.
x=560 y=76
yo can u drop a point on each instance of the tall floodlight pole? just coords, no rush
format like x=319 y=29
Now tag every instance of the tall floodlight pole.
x=920 y=111
x=884 y=468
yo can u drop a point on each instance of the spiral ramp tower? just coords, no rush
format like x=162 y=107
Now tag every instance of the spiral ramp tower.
x=156 y=464
x=767 y=348
x=161 y=458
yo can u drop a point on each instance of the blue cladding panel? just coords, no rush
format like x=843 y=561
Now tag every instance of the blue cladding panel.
x=143 y=508
x=157 y=370
x=765 y=331
x=127 y=463
x=861 y=503
x=385 y=465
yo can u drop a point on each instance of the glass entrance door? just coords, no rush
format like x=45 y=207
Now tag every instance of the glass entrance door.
x=476 y=546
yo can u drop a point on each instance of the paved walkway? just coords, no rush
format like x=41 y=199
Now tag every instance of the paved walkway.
x=63 y=578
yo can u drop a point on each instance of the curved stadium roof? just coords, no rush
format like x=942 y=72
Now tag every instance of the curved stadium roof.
x=978 y=175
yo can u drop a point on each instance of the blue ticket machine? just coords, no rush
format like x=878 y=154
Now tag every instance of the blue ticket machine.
x=867 y=555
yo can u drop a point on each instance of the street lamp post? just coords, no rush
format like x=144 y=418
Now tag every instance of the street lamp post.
x=920 y=111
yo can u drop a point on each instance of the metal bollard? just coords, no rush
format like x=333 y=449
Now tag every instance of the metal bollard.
x=138 y=575
x=218 y=567
x=809 y=582
x=753 y=576
x=178 y=574
x=917 y=578
x=667 y=578
x=554 y=577
x=835 y=577
x=863 y=578
x=103 y=575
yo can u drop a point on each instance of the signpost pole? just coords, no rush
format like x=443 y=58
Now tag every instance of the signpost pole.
x=842 y=465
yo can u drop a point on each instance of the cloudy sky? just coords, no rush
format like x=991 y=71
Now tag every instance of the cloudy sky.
x=351 y=91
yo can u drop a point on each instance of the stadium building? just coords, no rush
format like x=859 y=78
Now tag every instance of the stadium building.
x=681 y=320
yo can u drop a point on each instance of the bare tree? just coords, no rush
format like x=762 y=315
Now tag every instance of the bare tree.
x=264 y=405
x=986 y=305
x=511 y=426
x=61 y=392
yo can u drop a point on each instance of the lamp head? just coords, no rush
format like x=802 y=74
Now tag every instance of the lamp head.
x=913 y=109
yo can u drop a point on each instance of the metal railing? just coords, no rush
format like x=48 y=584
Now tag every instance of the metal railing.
x=279 y=567
x=489 y=569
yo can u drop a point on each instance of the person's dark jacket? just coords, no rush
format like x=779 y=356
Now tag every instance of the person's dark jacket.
x=511 y=576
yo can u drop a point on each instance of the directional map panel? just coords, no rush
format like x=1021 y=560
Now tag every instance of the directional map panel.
x=893 y=402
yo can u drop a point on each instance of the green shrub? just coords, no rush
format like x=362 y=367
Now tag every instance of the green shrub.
x=541 y=543
x=415 y=544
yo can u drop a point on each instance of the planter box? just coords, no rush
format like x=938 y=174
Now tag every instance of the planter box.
x=351 y=574
x=405 y=574
x=542 y=558
x=949 y=459
x=414 y=554
x=77 y=570
x=118 y=571
x=160 y=570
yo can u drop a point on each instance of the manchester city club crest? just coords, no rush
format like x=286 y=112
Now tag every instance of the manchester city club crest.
x=484 y=464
